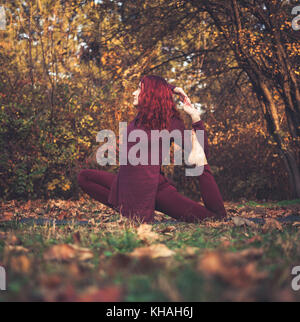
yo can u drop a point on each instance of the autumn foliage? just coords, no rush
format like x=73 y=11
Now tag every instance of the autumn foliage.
x=68 y=70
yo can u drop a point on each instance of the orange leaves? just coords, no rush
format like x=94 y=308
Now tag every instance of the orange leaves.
x=105 y=294
x=6 y=216
x=21 y=264
x=118 y=115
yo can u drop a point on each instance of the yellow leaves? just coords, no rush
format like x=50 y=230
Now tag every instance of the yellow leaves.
x=119 y=70
x=84 y=142
x=86 y=118
x=40 y=6
x=103 y=60
x=110 y=57
x=86 y=121
x=52 y=184
x=63 y=183
x=117 y=116
x=94 y=107
x=66 y=187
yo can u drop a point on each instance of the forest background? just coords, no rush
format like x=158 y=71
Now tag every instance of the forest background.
x=68 y=70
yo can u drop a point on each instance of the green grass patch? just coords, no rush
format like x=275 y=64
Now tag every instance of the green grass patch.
x=180 y=277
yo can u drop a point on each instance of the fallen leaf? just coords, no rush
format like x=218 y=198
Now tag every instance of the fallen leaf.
x=20 y=264
x=239 y=221
x=167 y=229
x=225 y=241
x=67 y=252
x=248 y=254
x=63 y=215
x=233 y=268
x=50 y=281
x=17 y=249
x=12 y=239
x=3 y=235
x=271 y=224
x=215 y=224
x=190 y=251
x=6 y=216
x=27 y=206
x=153 y=251
x=74 y=270
x=144 y=232
x=106 y=294
x=254 y=239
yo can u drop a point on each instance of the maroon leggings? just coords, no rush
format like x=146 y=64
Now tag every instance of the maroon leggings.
x=96 y=183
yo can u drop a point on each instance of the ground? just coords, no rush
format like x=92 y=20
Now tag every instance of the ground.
x=91 y=253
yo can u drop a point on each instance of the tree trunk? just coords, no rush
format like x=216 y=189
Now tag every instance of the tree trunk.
x=293 y=171
x=291 y=163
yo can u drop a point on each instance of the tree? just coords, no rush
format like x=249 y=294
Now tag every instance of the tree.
x=259 y=37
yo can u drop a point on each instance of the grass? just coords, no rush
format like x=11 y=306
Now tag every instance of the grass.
x=271 y=204
x=113 y=273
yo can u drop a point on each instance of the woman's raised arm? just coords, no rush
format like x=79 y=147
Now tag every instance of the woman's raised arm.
x=192 y=145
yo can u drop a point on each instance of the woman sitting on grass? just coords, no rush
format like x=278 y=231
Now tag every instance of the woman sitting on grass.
x=137 y=190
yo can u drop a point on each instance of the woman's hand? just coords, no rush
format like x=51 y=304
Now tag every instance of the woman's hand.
x=192 y=112
x=188 y=107
x=197 y=155
x=182 y=95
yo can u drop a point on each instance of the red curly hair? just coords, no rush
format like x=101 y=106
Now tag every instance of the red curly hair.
x=156 y=104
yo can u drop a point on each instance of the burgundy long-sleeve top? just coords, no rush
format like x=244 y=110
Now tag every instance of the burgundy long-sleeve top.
x=133 y=191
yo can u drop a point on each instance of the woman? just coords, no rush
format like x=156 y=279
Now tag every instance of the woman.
x=137 y=190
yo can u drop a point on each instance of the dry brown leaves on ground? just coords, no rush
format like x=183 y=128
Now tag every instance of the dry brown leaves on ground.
x=271 y=224
x=237 y=269
x=153 y=251
x=87 y=209
x=66 y=252
x=146 y=234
